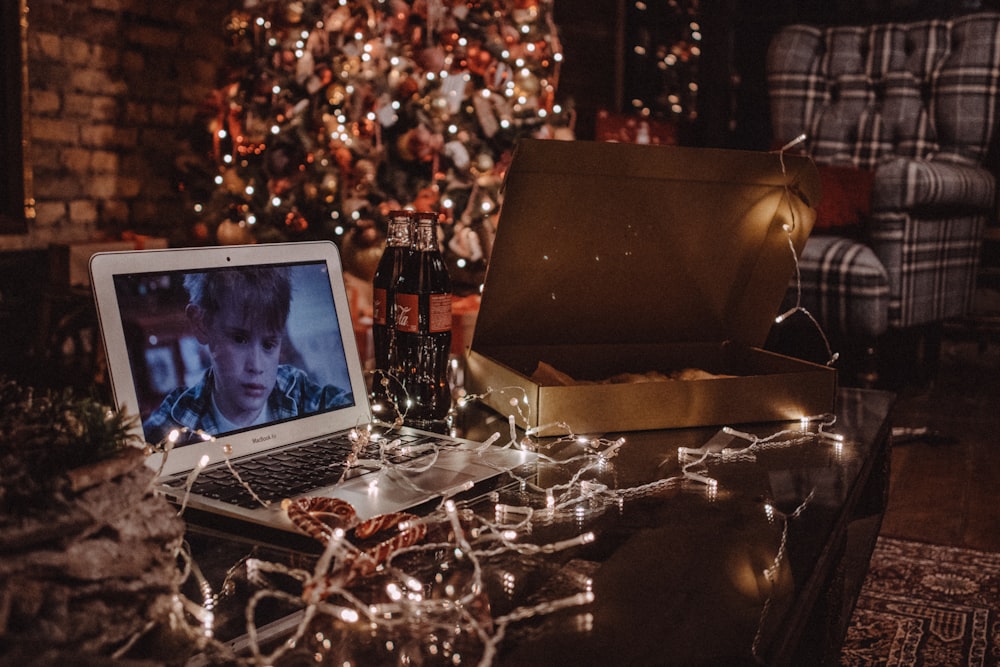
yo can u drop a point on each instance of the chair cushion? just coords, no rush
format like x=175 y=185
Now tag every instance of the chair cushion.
x=844 y=286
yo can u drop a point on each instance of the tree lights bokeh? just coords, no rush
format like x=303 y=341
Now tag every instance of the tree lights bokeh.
x=336 y=112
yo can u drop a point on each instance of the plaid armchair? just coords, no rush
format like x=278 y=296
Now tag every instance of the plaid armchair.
x=914 y=105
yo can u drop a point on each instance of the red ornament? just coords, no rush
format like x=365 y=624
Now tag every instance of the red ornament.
x=432 y=59
x=200 y=231
x=344 y=158
x=419 y=144
x=479 y=59
x=408 y=87
x=427 y=199
x=449 y=39
x=296 y=221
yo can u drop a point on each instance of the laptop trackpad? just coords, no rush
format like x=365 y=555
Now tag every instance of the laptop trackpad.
x=379 y=494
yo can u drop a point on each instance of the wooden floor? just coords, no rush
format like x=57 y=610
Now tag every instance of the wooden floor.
x=945 y=488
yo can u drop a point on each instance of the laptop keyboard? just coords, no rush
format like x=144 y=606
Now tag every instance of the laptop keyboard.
x=298 y=469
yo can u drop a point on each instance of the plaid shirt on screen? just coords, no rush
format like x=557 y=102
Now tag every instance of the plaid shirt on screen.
x=294 y=394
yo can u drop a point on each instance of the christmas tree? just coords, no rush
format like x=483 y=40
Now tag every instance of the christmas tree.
x=336 y=112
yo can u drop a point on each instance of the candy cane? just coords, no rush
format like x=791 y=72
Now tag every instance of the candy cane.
x=376 y=555
x=377 y=524
x=318 y=517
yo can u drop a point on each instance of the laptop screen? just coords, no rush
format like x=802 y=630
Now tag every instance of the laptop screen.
x=177 y=324
x=228 y=349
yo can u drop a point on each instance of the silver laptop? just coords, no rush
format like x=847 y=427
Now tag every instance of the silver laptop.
x=244 y=358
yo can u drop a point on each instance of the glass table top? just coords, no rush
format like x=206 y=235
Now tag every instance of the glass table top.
x=689 y=546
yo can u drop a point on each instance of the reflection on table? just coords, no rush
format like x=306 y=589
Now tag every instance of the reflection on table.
x=699 y=546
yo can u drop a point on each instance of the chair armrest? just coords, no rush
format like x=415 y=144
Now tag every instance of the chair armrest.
x=910 y=184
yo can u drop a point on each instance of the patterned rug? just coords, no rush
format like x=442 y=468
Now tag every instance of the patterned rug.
x=926 y=605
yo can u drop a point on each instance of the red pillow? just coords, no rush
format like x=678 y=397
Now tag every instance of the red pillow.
x=846 y=198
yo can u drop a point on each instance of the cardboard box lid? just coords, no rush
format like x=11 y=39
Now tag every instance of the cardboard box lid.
x=609 y=243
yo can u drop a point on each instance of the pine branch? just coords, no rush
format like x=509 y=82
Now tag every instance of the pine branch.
x=44 y=435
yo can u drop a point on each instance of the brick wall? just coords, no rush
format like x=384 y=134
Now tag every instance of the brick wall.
x=114 y=89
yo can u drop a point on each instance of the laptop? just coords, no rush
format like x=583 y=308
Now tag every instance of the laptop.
x=168 y=363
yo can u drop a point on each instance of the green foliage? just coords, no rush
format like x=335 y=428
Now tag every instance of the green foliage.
x=44 y=434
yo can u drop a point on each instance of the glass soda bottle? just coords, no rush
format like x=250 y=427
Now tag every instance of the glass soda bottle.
x=423 y=326
x=398 y=246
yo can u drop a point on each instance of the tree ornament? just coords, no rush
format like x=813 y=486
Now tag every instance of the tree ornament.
x=336 y=94
x=484 y=164
x=362 y=249
x=478 y=59
x=296 y=221
x=365 y=173
x=408 y=87
x=294 y=10
x=525 y=11
x=449 y=39
x=526 y=84
x=432 y=59
x=235 y=27
x=329 y=187
x=427 y=199
x=200 y=231
x=419 y=144
x=232 y=182
x=233 y=233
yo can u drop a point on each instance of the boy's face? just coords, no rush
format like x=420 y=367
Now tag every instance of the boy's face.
x=245 y=358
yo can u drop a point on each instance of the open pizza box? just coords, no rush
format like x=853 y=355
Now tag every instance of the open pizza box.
x=670 y=261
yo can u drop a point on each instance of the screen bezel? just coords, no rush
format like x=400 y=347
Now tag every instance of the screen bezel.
x=105 y=266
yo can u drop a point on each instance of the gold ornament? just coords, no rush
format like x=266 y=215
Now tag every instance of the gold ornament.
x=232 y=182
x=236 y=25
x=336 y=93
x=484 y=164
x=233 y=233
x=337 y=19
x=526 y=84
x=365 y=171
x=361 y=252
x=329 y=187
x=525 y=11
x=294 y=11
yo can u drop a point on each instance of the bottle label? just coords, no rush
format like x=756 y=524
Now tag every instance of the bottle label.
x=407 y=312
x=379 y=305
x=440 y=315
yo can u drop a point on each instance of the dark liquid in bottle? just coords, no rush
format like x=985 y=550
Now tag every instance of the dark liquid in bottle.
x=423 y=330
x=394 y=256
x=425 y=375
x=384 y=286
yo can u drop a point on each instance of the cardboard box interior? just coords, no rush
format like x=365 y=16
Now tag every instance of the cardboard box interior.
x=613 y=257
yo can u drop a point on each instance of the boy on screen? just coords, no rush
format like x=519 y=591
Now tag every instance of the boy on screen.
x=240 y=316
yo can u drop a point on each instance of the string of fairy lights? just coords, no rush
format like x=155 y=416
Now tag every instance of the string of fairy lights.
x=387 y=590
x=474 y=539
x=797 y=307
